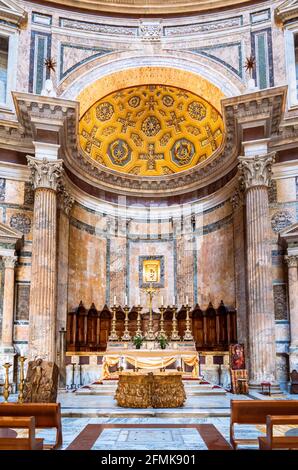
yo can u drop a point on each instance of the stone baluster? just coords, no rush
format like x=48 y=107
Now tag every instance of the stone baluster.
x=292 y=261
x=255 y=176
x=46 y=176
x=8 y=303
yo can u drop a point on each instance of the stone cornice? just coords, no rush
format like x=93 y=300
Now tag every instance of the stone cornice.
x=256 y=171
x=13 y=12
x=287 y=10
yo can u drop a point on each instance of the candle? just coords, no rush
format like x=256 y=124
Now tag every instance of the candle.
x=115 y=299
x=162 y=300
x=174 y=300
x=125 y=299
x=139 y=300
x=187 y=300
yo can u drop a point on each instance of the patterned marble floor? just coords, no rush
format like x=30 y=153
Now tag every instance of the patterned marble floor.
x=198 y=410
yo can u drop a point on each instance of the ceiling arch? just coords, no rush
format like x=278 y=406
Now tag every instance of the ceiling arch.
x=150 y=130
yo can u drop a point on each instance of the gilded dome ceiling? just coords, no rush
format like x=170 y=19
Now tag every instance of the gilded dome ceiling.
x=150 y=130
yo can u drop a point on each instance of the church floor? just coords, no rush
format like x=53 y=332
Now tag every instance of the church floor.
x=203 y=423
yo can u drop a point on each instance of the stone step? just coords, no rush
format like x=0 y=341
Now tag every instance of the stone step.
x=144 y=413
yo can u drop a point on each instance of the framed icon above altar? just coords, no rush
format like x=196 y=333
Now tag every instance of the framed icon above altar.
x=151 y=271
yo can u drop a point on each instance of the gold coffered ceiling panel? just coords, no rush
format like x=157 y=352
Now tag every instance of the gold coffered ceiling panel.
x=151 y=130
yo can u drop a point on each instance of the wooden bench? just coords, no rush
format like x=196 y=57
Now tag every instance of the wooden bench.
x=255 y=412
x=20 y=443
x=47 y=415
x=270 y=441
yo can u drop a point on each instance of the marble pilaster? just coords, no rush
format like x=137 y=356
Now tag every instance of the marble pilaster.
x=255 y=177
x=46 y=176
x=65 y=205
x=8 y=303
x=292 y=262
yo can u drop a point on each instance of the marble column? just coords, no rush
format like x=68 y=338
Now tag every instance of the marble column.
x=292 y=261
x=8 y=303
x=255 y=176
x=46 y=176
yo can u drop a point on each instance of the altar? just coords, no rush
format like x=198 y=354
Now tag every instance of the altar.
x=149 y=360
x=150 y=390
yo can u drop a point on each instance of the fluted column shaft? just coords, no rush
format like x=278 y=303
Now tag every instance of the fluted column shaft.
x=256 y=175
x=292 y=261
x=8 y=301
x=43 y=290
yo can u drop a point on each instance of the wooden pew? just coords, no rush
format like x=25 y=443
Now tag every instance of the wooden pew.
x=256 y=412
x=47 y=415
x=270 y=442
x=20 y=443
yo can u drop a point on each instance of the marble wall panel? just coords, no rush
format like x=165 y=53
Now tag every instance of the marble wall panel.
x=286 y=189
x=215 y=267
x=14 y=192
x=87 y=274
x=152 y=248
x=1 y=293
x=21 y=333
x=116 y=266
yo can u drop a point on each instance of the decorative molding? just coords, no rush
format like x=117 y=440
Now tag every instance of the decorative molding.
x=150 y=31
x=195 y=28
x=101 y=28
x=66 y=200
x=255 y=171
x=236 y=199
x=45 y=174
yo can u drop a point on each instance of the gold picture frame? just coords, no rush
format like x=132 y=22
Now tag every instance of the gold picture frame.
x=151 y=271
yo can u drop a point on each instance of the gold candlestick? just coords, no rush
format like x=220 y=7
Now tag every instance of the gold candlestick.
x=174 y=335
x=139 y=331
x=161 y=329
x=22 y=380
x=187 y=334
x=126 y=335
x=150 y=291
x=113 y=336
x=6 y=391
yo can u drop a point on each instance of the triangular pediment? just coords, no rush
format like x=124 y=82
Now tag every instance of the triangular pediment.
x=11 y=10
x=290 y=233
x=9 y=235
x=287 y=10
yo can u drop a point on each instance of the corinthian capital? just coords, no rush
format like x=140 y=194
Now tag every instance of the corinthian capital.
x=66 y=200
x=256 y=171
x=45 y=173
x=9 y=261
x=292 y=261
